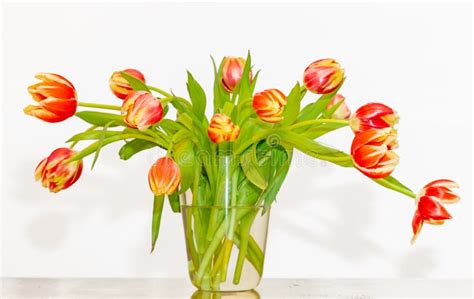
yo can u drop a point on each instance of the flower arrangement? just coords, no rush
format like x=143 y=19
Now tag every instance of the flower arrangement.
x=229 y=169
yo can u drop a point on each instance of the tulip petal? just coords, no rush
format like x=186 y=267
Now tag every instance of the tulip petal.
x=442 y=194
x=442 y=183
x=431 y=209
x=417 y=224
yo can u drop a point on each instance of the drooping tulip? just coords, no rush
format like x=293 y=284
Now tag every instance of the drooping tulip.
x=56 y=173
x=342 y=112
x=141 y=110
x=164 y=176
x=323 y=76
x=232 y=69
x=269 y=105
x=120 y=86
x=372 y=152
x=373 y=116
x=221 y=128
x=56 y=97
x=429 y=208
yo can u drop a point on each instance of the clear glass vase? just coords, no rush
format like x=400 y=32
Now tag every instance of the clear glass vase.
x=226 y=233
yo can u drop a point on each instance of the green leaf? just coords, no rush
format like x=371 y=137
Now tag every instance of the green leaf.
x=244 y=88
x=134 y=82
x=101 y=119
x=156 y=220
x=292 y=107
x=251 y=168
x=329 y=112
x=100 y=143
x=197 y=95
x=133 y=147
x=92 y=135
x=314 y=110
x=174 y=202
x=315 y=149
x=319 y=130
x=183 y=154
x=220 y=95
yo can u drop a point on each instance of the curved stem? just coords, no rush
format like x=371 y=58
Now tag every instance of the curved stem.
x=318 y=121
x=385 y=183
x=100 y=106
x=160 y=91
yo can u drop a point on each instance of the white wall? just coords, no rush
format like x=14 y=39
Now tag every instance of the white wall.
x=328 y=222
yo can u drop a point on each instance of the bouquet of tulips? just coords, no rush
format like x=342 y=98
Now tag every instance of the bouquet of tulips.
x=237 y=158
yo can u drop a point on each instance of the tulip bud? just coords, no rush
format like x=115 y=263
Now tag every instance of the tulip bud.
x=222 y=129
x=372 y=152
x=269 y=105
x=323 y=76
x=56 y=97
x=56 y=173
x=120 y=86
x=232 y=69
x=429 y=204
x=342 y=112
x=164 y=176
x=141 y=110
x=373 y=116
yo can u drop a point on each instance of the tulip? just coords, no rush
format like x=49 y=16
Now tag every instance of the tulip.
x=342 y=112
x=56 y=173
x=429 y=204
x=164 y=176
x=120 y=86
x=323 y=76
x=222 y=129
x=269 y=105
x=141 y=110
x=372 y=152
x=232 y=69
x=373 y=116
x=56 y=97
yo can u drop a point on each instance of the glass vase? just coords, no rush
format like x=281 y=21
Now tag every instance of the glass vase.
x=226 y=232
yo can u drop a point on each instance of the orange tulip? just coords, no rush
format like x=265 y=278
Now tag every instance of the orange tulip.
x=372 y=152
x=342 y=112
x=269 y=105
x=56 y=173
x=429 y=208
x=56 y=97
x=232 y=70
x=323 y=76
x=141 y=110
x=119 y=86
x=222 y=129
x=164 y=176
x=373 y=116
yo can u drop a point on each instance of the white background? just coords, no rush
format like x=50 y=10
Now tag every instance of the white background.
x=328 y=222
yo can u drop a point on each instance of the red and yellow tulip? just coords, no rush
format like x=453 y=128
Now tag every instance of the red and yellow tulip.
x=373 y=116
x=140 y=110
x=119 y=86
x=269 y=105
x=164 y=176
x=429 y=208
x=372 y=152
x=323 y=76
x=232 y=69
x=56 y=97
x=221 y=128
x=56 y=173
x=342 y=112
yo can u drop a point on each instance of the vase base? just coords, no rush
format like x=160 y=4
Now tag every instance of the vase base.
x=248 y=294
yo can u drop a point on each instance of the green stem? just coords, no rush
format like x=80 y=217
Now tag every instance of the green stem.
x=318 y=121
x=387 y=184
x=160 y=91
x=245 y=225
x=100 y=106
